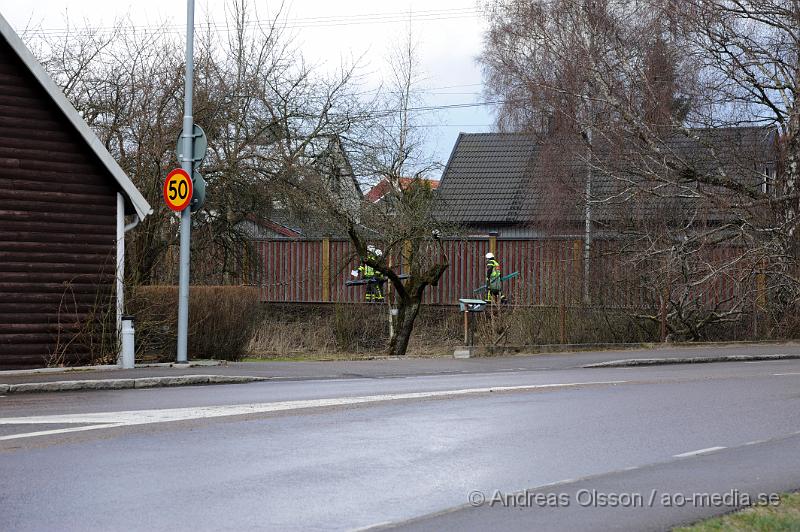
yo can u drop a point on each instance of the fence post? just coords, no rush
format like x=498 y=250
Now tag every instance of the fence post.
x=761 y=286
x=245 y=266
x=326 y=269
x=493 y=242
x=577 y=248
x=562 y=323
x=407 y=257
x=755 y=320
x=761 y=296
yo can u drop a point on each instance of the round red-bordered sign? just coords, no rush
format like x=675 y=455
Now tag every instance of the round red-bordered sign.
x=178 y=189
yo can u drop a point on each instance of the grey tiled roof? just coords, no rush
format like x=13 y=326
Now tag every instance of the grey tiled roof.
x=735 y=150
x=486 y=177
x=512 y=178
x=739 y=156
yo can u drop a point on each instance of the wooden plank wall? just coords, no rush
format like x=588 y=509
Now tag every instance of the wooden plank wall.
x=551 y=273
x=57 y=225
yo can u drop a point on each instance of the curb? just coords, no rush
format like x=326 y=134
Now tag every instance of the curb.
x=122 y=384
x=568 y=349
x=632 y=362
x=113 y=367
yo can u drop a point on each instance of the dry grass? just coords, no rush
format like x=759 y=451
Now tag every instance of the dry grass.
x=765 y=518
x=362 y=330
x=319 y=329
x=229 y=323
x=519 y=326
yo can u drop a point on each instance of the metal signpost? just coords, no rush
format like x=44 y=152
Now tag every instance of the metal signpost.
x=187 y=164
x=196 y=155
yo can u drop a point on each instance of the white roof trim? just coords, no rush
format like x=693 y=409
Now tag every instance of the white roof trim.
x=128 y=188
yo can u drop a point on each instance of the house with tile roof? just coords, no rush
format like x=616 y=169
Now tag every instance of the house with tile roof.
x=522 y=186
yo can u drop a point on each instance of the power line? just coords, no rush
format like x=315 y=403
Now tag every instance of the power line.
x=380 y=113
x=389 y=17
x=454 y=106
x=287 y=23
x=431 y=90
x=452 y=125
x=453 y=93
x=427 y=108
x=456 y=86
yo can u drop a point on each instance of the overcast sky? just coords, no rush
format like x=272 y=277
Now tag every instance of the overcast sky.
x=448 y=34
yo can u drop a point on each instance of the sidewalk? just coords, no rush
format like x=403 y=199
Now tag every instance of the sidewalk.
x=213 y=372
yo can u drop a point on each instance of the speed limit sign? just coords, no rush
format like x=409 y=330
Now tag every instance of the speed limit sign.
x=178 y=190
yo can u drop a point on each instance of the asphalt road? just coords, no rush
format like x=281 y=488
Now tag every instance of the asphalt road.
x=404 y=451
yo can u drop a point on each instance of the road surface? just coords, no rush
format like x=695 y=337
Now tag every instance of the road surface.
x=412 y=452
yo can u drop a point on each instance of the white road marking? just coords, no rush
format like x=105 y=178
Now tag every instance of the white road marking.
x=371 y=527
x=59 y=431
x=699 y=451
x=307 y=377
x=99 y=420
x=783 y=374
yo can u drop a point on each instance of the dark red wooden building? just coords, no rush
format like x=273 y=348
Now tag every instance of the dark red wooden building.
x=63 y=203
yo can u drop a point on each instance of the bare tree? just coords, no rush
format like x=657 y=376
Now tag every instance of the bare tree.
x=386 y=146
x=650 y=88
x=265 y=112
x=127 y=86
x=404 y=220
x=749 y=51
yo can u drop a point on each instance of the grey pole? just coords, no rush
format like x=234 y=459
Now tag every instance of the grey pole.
x=186 y=214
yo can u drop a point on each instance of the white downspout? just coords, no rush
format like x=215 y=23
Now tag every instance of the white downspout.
x=120 y=271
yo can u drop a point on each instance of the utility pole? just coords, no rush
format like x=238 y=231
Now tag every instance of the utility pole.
x=186 y=214
x=587 y=214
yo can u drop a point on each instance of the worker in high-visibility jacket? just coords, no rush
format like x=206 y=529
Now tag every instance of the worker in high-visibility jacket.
x=372 y=276
x=494 y=285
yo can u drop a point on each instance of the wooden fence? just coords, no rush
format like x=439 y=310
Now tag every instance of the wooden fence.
x=551 y=273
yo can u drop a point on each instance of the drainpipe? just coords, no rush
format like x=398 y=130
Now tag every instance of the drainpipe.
x=120 y=271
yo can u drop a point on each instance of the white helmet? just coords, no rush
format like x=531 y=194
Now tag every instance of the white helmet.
x=370 y=249
x=489 y=256
x=378 y=253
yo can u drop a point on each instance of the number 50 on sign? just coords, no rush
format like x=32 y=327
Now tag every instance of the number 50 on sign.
x=178 y=190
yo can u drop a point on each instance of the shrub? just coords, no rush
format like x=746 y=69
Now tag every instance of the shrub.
x=86 y=334
x=221 y=320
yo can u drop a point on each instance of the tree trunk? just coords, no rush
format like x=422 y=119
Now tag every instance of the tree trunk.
x=785 y=261
x=406 y=315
